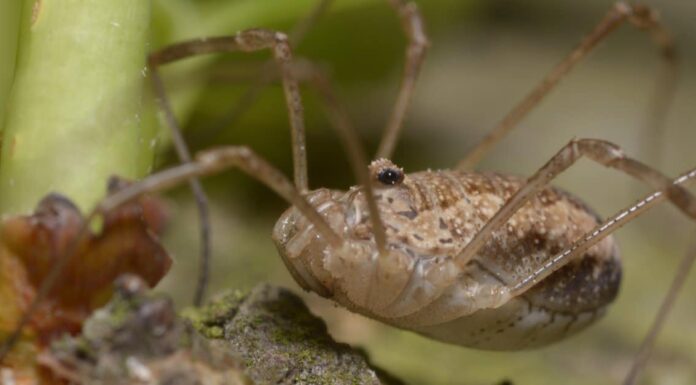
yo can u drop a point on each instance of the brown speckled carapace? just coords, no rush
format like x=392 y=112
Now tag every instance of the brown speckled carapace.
x=430 y=217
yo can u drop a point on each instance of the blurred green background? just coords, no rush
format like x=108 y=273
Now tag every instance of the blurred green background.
x=485 y=56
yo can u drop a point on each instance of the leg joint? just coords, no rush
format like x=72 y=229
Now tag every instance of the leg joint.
x=599 y=150
x=257 y=39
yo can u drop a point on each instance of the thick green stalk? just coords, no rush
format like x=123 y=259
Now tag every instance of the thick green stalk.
x=9 y=33
x=74 y=114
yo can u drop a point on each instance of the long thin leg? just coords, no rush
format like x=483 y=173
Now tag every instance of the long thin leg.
x=195 y=185
x=356 y=153
x=415 y=54
x=184 y=153
x=602 y=152
x=206 y=163
x=214 y=161
x=305 y=71
x=258 y=40
x=639 y=16
x=267 y=71
x=599 y=233
x=255 y=40
x=250 y=40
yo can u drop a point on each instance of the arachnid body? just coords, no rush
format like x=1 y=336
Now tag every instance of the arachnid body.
x=429 y=218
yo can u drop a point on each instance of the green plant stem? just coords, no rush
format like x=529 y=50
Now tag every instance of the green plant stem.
x=9 y=33
x=74 y=114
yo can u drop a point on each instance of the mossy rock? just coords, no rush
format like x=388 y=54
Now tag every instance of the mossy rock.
x=266 y=336
x=138 y=338
x=280 y=342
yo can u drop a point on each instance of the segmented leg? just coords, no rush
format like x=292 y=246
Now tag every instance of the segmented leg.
x=283 y=55
x=196 y=187
x=267 y=72
x=217 y=160
x=238 y=156
x=611 y=156
x=307 y=72
x=418 y=42
x=247 y=41
x=639 y=16
x=600 y=232
x=602 y=152
x=205 y=163
x=357 y=157
x=250 y=41
x=415 y=54
x=183 y=152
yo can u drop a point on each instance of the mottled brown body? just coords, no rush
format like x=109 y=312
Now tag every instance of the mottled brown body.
x=430 y=217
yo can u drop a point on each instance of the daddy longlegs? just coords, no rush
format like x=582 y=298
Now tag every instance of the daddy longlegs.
x=476 y=259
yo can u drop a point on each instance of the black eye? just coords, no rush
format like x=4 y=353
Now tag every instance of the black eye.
x=390 y=176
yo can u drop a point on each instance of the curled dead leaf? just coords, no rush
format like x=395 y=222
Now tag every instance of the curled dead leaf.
x=126 y=243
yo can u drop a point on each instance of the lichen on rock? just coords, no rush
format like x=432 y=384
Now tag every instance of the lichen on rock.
x=265 y=336
x=138 y=338
x=281 y=342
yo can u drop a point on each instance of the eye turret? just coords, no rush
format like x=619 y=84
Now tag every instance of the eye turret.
x=386 y=172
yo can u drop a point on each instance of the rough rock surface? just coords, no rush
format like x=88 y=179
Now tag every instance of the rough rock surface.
x=281 y=342
x=138 y=338
x=267 y=336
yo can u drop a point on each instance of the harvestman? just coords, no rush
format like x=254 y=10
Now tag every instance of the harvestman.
x=477 y=259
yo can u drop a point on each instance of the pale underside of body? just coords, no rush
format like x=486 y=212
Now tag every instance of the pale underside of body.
x=429 y=218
